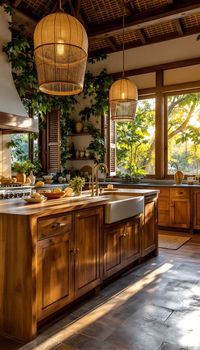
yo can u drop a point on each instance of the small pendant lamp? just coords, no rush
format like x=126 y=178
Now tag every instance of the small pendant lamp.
x=123 y=96
x=60 y=47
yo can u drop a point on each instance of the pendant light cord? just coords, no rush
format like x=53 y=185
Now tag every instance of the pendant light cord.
x=60 y=6
x=123 y=39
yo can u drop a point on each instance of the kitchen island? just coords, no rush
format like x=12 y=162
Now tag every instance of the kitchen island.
x=53 y=253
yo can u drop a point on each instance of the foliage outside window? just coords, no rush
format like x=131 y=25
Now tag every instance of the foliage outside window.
x=135 y=149
x=184 y=133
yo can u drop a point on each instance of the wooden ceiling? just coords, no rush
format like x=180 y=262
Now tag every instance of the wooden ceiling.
x=146 y=21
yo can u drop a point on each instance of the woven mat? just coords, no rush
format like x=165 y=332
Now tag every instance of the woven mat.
x=171 y=242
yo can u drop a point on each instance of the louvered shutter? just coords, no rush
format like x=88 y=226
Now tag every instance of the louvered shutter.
x=111 y=146
x=53 y=141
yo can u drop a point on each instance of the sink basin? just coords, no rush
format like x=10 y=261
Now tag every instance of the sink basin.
x=121 y=207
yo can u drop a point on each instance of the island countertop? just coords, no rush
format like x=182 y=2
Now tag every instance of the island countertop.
x=66 y=204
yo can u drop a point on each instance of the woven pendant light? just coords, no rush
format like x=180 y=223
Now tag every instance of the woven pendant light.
x=60 y=47
x=123 y=96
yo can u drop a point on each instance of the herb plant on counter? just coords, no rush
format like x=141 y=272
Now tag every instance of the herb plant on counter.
x=77 y=184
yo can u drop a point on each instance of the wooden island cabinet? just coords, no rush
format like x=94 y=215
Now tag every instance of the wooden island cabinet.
x=196 y=209
x=54 y=253
x=121 y=245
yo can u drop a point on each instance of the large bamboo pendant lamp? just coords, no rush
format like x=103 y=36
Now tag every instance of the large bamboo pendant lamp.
x=123 y=96
x=60 y=47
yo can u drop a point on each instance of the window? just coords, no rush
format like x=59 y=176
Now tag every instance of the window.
x=135 y=146
x=183 y=133
x=25 y=146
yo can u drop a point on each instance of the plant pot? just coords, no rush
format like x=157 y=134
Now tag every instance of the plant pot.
x=78 y=192
x=21 y=177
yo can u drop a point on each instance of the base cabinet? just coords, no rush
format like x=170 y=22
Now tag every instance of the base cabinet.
x=55 y=281
x=174 y=207
x=149 y=226
x=68 y=263
x=88 y=226
x=196 y=209
x=121 y=245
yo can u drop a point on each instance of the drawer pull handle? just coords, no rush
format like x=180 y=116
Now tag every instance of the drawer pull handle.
x=57 y=225
x=180 y=193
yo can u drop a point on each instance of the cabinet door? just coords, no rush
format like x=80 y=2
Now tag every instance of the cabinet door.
x=88 y=227
x=164 y=207
x=112 y=257
x=131 y=241
x=150 y=232
x=180 y=212
x=196 y=209
x=55 y=274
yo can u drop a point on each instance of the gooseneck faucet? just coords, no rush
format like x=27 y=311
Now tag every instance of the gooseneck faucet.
x=95 y=173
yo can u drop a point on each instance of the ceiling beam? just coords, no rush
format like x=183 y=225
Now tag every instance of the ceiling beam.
x=138 y=21
x=134 y=44
x=179 y=26
x=158 y=67
x=142 y=36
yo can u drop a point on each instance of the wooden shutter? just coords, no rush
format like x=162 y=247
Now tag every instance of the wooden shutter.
x=111 y=146
x=53 y=141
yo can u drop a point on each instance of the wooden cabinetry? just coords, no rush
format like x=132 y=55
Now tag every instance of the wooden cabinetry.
x=88 y=226
x=180 y=208
x=164 y=207
x=196 y=209
x=174 y=207
x=121 y=245
x=68 y=260
x=149 y=227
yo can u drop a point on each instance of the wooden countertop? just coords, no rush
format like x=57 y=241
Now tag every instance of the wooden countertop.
x=66 y=204
x=53 y=206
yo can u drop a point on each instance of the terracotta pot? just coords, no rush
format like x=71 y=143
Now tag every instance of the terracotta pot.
x=21 y=177
x=178 y=176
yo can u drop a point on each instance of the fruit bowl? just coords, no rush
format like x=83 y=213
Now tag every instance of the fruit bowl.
x=53 y=195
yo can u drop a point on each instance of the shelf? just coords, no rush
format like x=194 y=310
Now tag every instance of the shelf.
x=80 y=134
x=72 y=159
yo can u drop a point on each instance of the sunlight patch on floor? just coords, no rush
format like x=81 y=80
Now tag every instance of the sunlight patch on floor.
x=93 y=316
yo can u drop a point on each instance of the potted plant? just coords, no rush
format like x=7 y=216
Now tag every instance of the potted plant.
x=21 y=168
x=76 y=184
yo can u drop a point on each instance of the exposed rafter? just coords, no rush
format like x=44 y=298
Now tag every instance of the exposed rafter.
x=144 y=20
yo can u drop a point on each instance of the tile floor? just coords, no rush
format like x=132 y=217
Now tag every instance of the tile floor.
x=155 y=306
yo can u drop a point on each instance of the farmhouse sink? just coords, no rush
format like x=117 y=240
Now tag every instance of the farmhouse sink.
x=121 y=207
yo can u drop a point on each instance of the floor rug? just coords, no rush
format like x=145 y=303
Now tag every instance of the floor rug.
x=171 y=242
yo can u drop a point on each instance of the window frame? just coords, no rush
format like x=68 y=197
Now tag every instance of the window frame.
x=160 y=93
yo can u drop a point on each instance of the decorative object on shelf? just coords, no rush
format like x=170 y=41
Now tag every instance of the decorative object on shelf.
x=77 y=154
x=76 y=184
x=82 y=154
x=32 y=177
x=178 y=176
x=61 y=47
x=123 y=95
x=78 y=127
x=87 y=154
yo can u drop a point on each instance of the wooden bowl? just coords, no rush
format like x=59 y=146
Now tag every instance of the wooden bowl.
x=53 y=195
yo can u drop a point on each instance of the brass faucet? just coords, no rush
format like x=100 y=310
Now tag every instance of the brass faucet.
x=95 y=172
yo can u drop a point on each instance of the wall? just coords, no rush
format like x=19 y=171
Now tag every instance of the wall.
x=5 y=156
x=154 y=54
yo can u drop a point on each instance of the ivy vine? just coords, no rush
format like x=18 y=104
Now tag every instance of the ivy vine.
x=20 y=53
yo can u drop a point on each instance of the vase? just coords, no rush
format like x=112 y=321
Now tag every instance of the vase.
x=21 y=177
x=32 y=178
x=78 y=192
x=178 y=176
x=78 y=127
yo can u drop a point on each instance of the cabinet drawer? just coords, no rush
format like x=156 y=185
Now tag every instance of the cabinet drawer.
x=54 y=225
x=180 y=193
x=164 y=192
